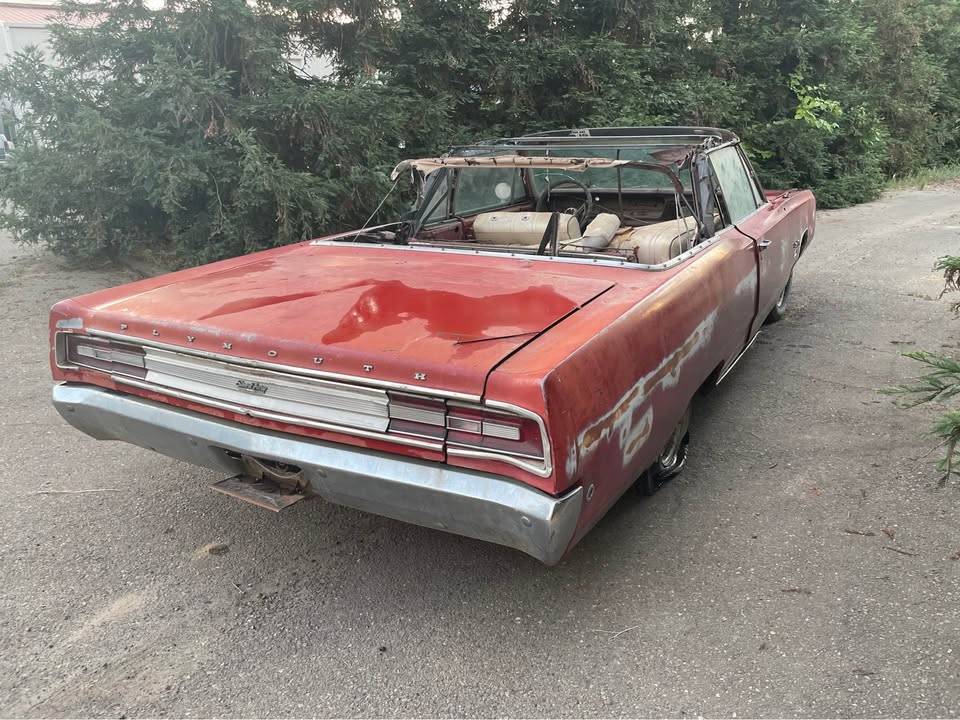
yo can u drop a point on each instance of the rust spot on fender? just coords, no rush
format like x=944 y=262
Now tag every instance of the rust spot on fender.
x=593 y=434
x=641 y=434
x=671 y=366
x=633 y=432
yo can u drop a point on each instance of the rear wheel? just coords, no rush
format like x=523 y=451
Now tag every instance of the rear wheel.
x=780 y=309
x=672 y=458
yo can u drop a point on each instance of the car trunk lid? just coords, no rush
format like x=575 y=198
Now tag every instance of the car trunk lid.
x=436 y=320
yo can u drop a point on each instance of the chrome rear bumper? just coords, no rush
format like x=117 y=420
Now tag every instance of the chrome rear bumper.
x=465 y=502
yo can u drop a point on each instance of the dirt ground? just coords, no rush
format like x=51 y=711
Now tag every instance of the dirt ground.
x=805 y=564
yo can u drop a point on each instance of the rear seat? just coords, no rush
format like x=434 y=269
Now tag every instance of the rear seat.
x=521 y=228
x=654 y=244
x=651 y=244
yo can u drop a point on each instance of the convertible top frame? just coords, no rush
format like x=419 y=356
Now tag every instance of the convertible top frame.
x=692 y=142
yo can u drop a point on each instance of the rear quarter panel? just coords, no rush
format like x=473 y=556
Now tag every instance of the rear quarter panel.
x=614 y=379
x=801 y=206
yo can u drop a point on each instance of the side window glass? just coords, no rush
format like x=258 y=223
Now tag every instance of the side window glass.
x=487 y=188
x=736 y=186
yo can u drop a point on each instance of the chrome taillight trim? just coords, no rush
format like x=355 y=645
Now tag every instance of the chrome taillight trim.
x=542 y=468
x=277 y=367
x=111 y=355
x=519 y=455
x=495 y=429
x=60 y=351
x=537 y=468
x=464 y=425
x=415 y=414
x=103 y=354
x=277 y=417
x=326 y=401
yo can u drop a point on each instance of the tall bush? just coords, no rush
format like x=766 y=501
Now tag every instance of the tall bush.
x=184 y=131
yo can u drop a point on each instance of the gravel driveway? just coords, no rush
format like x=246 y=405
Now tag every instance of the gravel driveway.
x=803 y=565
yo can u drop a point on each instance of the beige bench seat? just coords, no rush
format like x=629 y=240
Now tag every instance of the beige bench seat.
x=654 y=244
x=650 y=244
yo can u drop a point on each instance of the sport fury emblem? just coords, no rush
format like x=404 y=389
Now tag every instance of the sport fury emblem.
x=252 y=386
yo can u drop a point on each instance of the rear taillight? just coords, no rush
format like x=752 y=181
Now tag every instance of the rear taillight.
x=416 y=415
x=471 y=430
x=98 y=354
x=479 y=428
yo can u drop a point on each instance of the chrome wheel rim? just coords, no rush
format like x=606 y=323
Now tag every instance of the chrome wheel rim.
x=783 y=298
x=781 y=303
x=670 y=454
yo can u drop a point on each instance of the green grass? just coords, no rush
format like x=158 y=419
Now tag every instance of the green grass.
x=927 y=176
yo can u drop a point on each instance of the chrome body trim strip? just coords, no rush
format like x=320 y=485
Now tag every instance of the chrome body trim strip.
x=276 y=417
x=737 y=358
x=344 y=404
x=466 y=502
x=532 y=256
x=359 y=380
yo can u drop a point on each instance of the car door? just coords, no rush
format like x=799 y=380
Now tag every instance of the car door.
x=752 y=215
x=778 y=248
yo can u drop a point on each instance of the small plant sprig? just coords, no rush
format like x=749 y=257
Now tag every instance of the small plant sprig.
x=950 y=265
x=940 y=384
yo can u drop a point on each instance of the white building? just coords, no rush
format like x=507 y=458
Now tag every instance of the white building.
x=23 y=24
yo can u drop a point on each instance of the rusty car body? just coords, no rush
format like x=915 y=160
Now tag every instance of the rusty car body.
x=483 y=365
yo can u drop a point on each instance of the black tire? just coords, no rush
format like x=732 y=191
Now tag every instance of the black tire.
x=672 y=458
x=780 y=309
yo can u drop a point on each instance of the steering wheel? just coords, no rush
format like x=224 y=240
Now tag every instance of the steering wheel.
x=582 y=212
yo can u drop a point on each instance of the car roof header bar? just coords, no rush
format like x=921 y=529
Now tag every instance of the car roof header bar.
x=676 y=134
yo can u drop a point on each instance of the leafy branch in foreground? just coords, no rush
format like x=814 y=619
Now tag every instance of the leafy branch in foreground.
x=950 y=264
x=940 y=384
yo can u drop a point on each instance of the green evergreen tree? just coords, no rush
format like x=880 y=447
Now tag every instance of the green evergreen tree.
x=184 y=131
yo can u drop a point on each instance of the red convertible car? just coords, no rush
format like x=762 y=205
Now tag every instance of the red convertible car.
x=503 y=362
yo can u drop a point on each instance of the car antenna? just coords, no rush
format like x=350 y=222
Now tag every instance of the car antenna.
x=374 y=213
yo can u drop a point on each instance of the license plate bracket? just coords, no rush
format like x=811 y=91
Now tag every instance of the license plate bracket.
x=261 y=492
